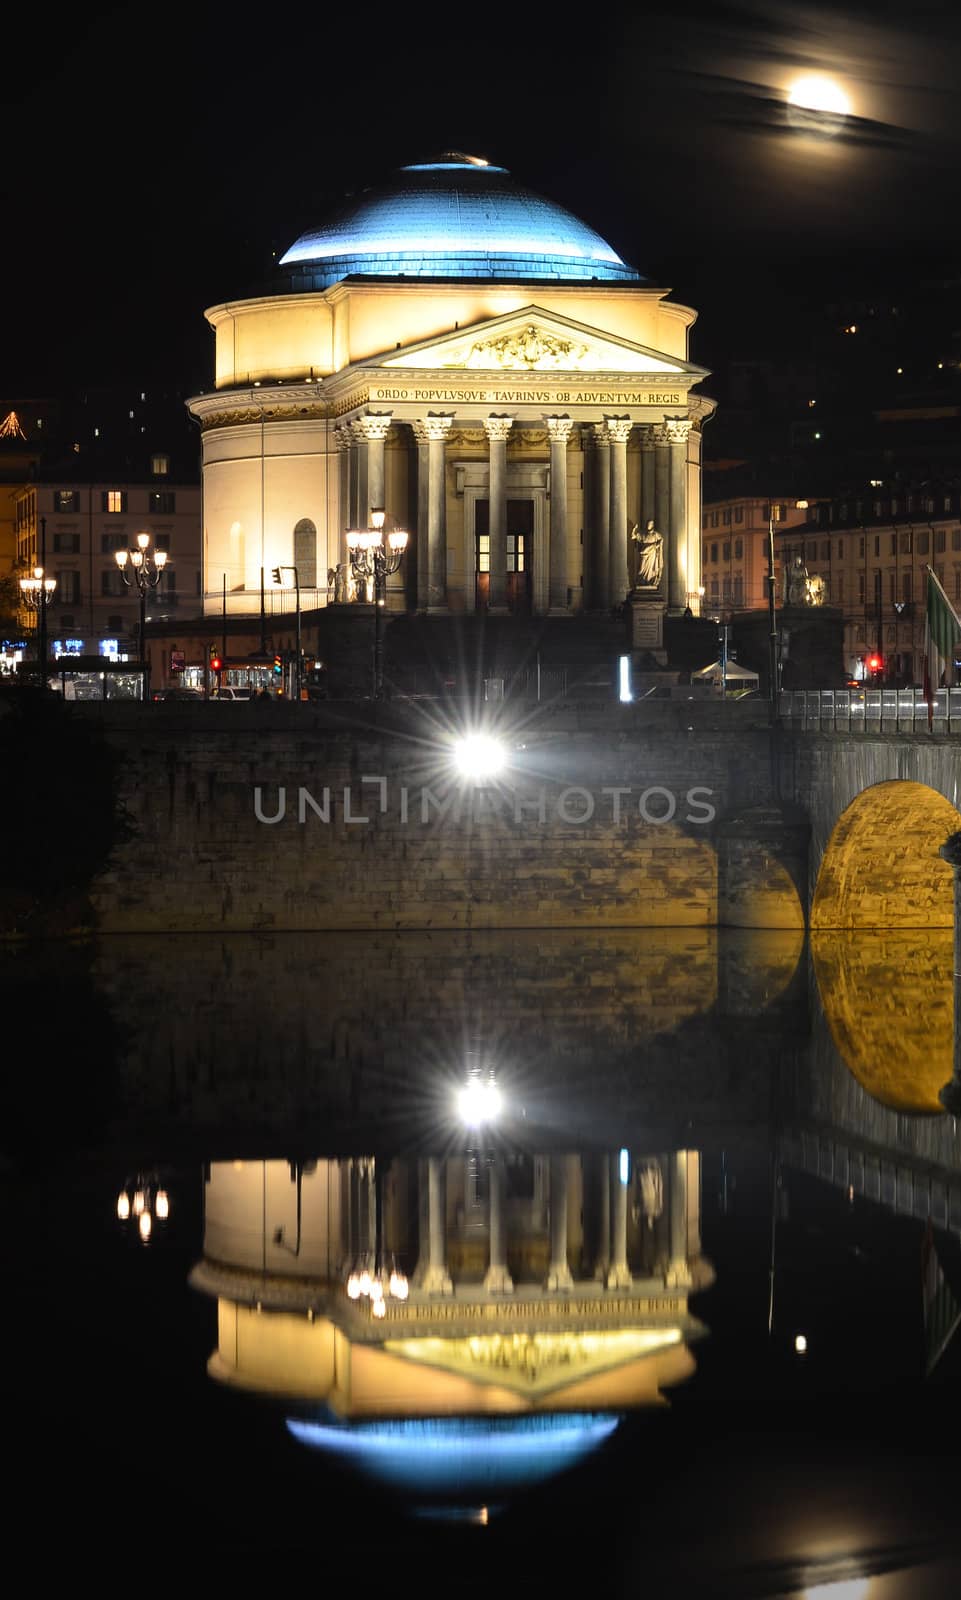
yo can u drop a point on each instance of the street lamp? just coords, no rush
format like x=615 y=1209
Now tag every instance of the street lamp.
x=37 y=592
x=143 y=1197
x=147 y=567
x=371 y=558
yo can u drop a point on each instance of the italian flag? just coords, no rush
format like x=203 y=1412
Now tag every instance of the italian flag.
x=942 y=633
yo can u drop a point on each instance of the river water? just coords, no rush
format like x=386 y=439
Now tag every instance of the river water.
x=778 y=1421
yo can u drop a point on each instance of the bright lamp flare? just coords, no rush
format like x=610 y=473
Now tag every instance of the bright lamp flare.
x=816 y=93
x=479 y=1102
x=479 y=756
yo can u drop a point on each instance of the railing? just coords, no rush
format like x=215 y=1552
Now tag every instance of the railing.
x=870 y=710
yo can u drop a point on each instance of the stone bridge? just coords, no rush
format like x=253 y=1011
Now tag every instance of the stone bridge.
x=344 y=816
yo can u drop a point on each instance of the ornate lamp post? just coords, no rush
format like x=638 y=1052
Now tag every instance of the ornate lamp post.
x=146 y=567
x=37 y=592
x=372 y=559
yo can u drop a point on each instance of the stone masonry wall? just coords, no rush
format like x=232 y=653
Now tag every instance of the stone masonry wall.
x=603 y=819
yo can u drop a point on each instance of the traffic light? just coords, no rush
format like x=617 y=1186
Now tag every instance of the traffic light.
x=278 y=665
x=875 y=665
x=216 y=661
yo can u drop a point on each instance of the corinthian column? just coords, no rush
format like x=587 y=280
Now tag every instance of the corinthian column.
x=619 y=431
x=662 y=487
x=559 y=1272
x=648 y=508
x=497 y=428
x=618 y=1273
x=677 y=579
x=437 y=425
x=419 y=430
x=601 y=537
x=559 y=429
x=497 y=1280
x=374 y=428
x=678 y=1275
x=432 y=1268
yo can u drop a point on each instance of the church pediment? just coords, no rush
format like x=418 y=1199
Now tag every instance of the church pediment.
x=536 y=1364
x=532 y=341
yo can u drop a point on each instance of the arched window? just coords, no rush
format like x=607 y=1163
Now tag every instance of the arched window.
x=305 y=553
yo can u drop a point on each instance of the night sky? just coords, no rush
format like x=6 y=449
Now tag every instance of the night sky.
x=169 y=153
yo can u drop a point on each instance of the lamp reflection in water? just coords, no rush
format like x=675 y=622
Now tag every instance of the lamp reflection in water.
x=144 y=1198
x=374 y=1275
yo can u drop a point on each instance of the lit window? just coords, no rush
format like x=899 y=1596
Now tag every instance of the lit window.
x=113 y=500
x=160 y=466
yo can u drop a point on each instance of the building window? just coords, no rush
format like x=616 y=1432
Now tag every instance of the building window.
x=859 y=634
x=877 y=507
x=726 y=552
x=713 y=519
x=714 y=590
x=713 y=552
x=66 y=542
x=940 y=541
x=906 y=542
x=956 y=538
x=842 y=512
x=160 y=465
x=894 y=508
x=162 y=542
x=946 y=505
x=860 y=588
x=906 y=588
x=112 y=541
x=727 y=591
x=877 y=544
x=68 y=588
x=840 y=549
x=66 y=500
x=111 y=582
x=893 y=544
x=826 y=550
x=738 y=549
x=738 y=513
x=892 y=586
x=739 y=590
x=861 y=544
x=923 y=541
x=113 y=500
x=726 y=518
x=929 y=505
x=162 y=501
x=483 y=552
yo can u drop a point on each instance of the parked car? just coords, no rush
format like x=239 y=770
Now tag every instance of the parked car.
x=176 y=694
x=230 y=693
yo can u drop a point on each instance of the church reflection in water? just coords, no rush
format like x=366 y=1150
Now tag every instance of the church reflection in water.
x=459 y=1324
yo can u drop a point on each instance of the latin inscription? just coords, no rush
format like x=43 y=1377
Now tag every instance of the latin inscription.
x=513 y=1311
x=572 y=397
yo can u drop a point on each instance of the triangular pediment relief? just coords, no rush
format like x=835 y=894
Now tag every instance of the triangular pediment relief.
x=533 y=340
x=536 y=1364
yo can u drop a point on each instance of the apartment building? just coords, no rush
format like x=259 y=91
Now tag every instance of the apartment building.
x=734 y=553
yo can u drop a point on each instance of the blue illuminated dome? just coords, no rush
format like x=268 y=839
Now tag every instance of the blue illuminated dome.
x=456 y=217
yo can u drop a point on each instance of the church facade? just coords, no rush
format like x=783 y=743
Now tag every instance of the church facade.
x=481 y=365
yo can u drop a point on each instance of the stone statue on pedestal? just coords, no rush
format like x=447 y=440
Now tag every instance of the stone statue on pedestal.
x=650 y=556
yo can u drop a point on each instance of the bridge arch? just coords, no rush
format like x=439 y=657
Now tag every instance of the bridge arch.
x=881 y=867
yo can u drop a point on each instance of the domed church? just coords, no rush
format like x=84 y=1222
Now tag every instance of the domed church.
x=482 y=365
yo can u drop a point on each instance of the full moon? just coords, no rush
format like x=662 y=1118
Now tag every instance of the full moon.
x=817 y=105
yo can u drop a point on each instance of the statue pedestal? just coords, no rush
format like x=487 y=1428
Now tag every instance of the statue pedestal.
x=647 y=624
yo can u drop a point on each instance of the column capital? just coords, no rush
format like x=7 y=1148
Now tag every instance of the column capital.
x=497 y=426
x=645 y=434
x=677 y=429
x=601 y=436
x=559 y=428
x=341 y=436
x=661 y=432
x=437 y=425
x=374 y=425
x=619 y=429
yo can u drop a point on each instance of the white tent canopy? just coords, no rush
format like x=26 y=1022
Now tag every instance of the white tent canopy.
x=732 y=674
